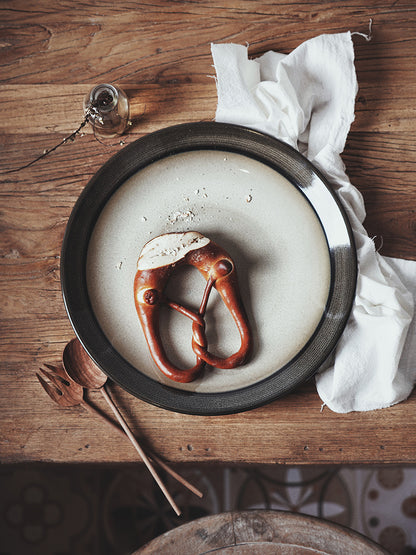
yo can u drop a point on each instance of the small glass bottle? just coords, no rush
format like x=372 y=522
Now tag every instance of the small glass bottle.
x=107 y=108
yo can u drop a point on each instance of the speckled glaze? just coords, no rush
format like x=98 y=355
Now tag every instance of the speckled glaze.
x=266 y=224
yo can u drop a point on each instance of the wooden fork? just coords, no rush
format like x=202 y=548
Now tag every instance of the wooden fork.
x=67 y=393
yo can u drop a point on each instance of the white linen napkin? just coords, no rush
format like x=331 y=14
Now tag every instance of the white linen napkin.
x=307 y=99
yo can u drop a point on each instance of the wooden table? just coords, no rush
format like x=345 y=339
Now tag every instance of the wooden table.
x=52 y=54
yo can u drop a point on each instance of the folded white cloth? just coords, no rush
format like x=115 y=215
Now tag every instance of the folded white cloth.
x=307 y=99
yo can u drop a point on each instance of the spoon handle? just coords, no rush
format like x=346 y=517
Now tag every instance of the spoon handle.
x=142 y=454
x=153 y=456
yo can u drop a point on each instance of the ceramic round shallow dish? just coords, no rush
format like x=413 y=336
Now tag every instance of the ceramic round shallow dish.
x=260 y=200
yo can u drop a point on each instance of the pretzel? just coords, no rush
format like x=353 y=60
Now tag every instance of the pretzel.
x=157 y=262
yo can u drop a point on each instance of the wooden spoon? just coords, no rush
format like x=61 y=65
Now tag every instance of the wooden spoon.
x=83 y=370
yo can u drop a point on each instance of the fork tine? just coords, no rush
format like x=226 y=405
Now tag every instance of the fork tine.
x=61 y=390
x=54 y=393
x=54 y=375
x=51 y=367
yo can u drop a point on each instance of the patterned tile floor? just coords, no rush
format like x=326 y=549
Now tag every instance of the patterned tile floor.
x=90 y=510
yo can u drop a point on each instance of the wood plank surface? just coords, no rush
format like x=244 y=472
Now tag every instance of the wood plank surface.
x=51 y=54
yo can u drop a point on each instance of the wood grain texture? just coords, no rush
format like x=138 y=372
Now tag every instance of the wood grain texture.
x=260 y=533
x=159 y=51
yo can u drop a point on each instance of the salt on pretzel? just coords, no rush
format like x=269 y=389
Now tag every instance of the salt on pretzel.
x=157 y=261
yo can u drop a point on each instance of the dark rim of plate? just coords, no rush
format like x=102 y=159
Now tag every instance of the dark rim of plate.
x=208 y=136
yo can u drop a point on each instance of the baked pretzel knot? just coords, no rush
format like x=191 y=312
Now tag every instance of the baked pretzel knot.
x=157 y=262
